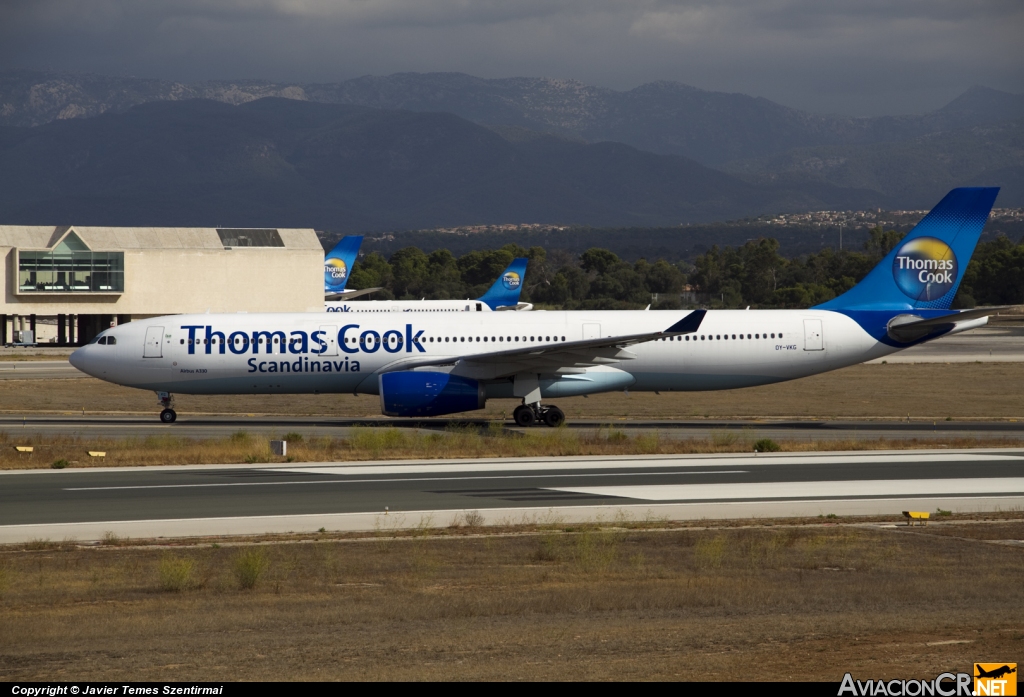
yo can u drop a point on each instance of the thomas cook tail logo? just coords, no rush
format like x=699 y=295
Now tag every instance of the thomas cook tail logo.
x=335 y=272
x=511 y=280
x=925 y=268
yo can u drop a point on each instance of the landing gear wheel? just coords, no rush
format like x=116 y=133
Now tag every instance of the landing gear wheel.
x=168 y=416
x=554 y=417
x=524 y=416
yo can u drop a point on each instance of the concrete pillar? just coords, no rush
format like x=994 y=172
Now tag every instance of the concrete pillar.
x=72 y=334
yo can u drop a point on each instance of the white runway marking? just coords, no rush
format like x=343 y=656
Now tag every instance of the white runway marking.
x=683 y=461
x=439 y=480
x=780 y=490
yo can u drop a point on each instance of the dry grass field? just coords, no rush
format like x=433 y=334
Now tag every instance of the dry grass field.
x=923 y=390
x=770 y=603
x=389 y=443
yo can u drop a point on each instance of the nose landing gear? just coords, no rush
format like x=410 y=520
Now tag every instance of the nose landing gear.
x=166 y=400
x=527 y=415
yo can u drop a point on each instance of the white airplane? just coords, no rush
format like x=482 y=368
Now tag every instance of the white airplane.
x=502 y=295
x=429 y=365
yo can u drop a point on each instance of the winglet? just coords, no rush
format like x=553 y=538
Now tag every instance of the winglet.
x=688 y=324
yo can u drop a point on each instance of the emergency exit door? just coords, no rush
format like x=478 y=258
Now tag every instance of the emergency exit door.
x=812 y=335
x=154 y=347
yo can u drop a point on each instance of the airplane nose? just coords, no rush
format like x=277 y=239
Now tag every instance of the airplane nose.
x=79 y=360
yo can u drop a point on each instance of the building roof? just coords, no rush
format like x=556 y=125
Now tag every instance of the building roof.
x=130 y=238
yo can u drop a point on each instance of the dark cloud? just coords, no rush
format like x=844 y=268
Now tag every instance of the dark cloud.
x=848 y=56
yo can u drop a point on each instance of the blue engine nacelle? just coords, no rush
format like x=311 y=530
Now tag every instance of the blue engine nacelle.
x=412 y=393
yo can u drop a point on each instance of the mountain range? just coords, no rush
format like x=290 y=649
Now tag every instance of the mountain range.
x=417 y=150
x=287 y=162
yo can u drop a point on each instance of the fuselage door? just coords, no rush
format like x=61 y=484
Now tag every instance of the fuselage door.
x=813 y=340
x=153 y=347
x=330 y=337
x=591 y=331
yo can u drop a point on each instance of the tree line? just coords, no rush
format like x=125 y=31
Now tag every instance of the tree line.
x=753 y=274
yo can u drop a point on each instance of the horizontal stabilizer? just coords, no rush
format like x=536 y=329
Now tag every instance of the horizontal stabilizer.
x=909 y=328
x=350 y=294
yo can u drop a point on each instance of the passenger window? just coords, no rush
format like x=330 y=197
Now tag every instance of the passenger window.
x=183 y=341
x=773 y=335
x=780 y=335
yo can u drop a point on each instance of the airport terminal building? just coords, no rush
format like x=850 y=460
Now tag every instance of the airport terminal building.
x=66 y=284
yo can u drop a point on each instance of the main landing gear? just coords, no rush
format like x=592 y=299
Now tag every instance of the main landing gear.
x=527 y=415
x=166 y=400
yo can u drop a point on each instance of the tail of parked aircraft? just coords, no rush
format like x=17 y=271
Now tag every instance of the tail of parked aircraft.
x=924 y=271
x=505 y=291
x=338 y=263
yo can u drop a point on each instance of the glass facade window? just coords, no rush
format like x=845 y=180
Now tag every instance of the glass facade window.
x=67 y=271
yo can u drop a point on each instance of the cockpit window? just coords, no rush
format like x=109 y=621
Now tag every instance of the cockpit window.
x=96 y=339
x=111 y=340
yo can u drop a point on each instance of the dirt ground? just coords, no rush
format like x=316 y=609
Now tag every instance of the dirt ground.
x=923 y=390
x=789 y=603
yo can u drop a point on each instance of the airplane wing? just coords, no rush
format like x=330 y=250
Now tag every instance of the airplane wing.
x=562 y=357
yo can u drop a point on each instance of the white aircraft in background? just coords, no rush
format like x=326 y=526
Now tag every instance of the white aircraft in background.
x=429 y=365
x=503 y=295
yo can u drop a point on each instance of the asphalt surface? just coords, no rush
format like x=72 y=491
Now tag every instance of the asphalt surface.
x=74 y=500
x=39 y=370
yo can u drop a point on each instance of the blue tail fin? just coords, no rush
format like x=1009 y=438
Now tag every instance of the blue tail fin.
x=509 y=285
x=924 y=271
x=338 y=263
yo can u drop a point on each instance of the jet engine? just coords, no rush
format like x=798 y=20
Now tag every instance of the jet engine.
x=416 y=393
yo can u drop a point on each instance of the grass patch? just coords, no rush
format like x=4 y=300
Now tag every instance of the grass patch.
x=249 y=566
x=177 y=574
x=454 y=441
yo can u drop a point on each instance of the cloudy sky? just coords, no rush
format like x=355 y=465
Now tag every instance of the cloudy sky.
x=858 y=57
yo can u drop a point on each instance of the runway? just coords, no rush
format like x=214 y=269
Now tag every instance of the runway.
x=39 y=370
x=246 y=499
x=207 y=426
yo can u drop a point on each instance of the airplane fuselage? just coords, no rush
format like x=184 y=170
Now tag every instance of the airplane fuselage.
x=328 y=353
